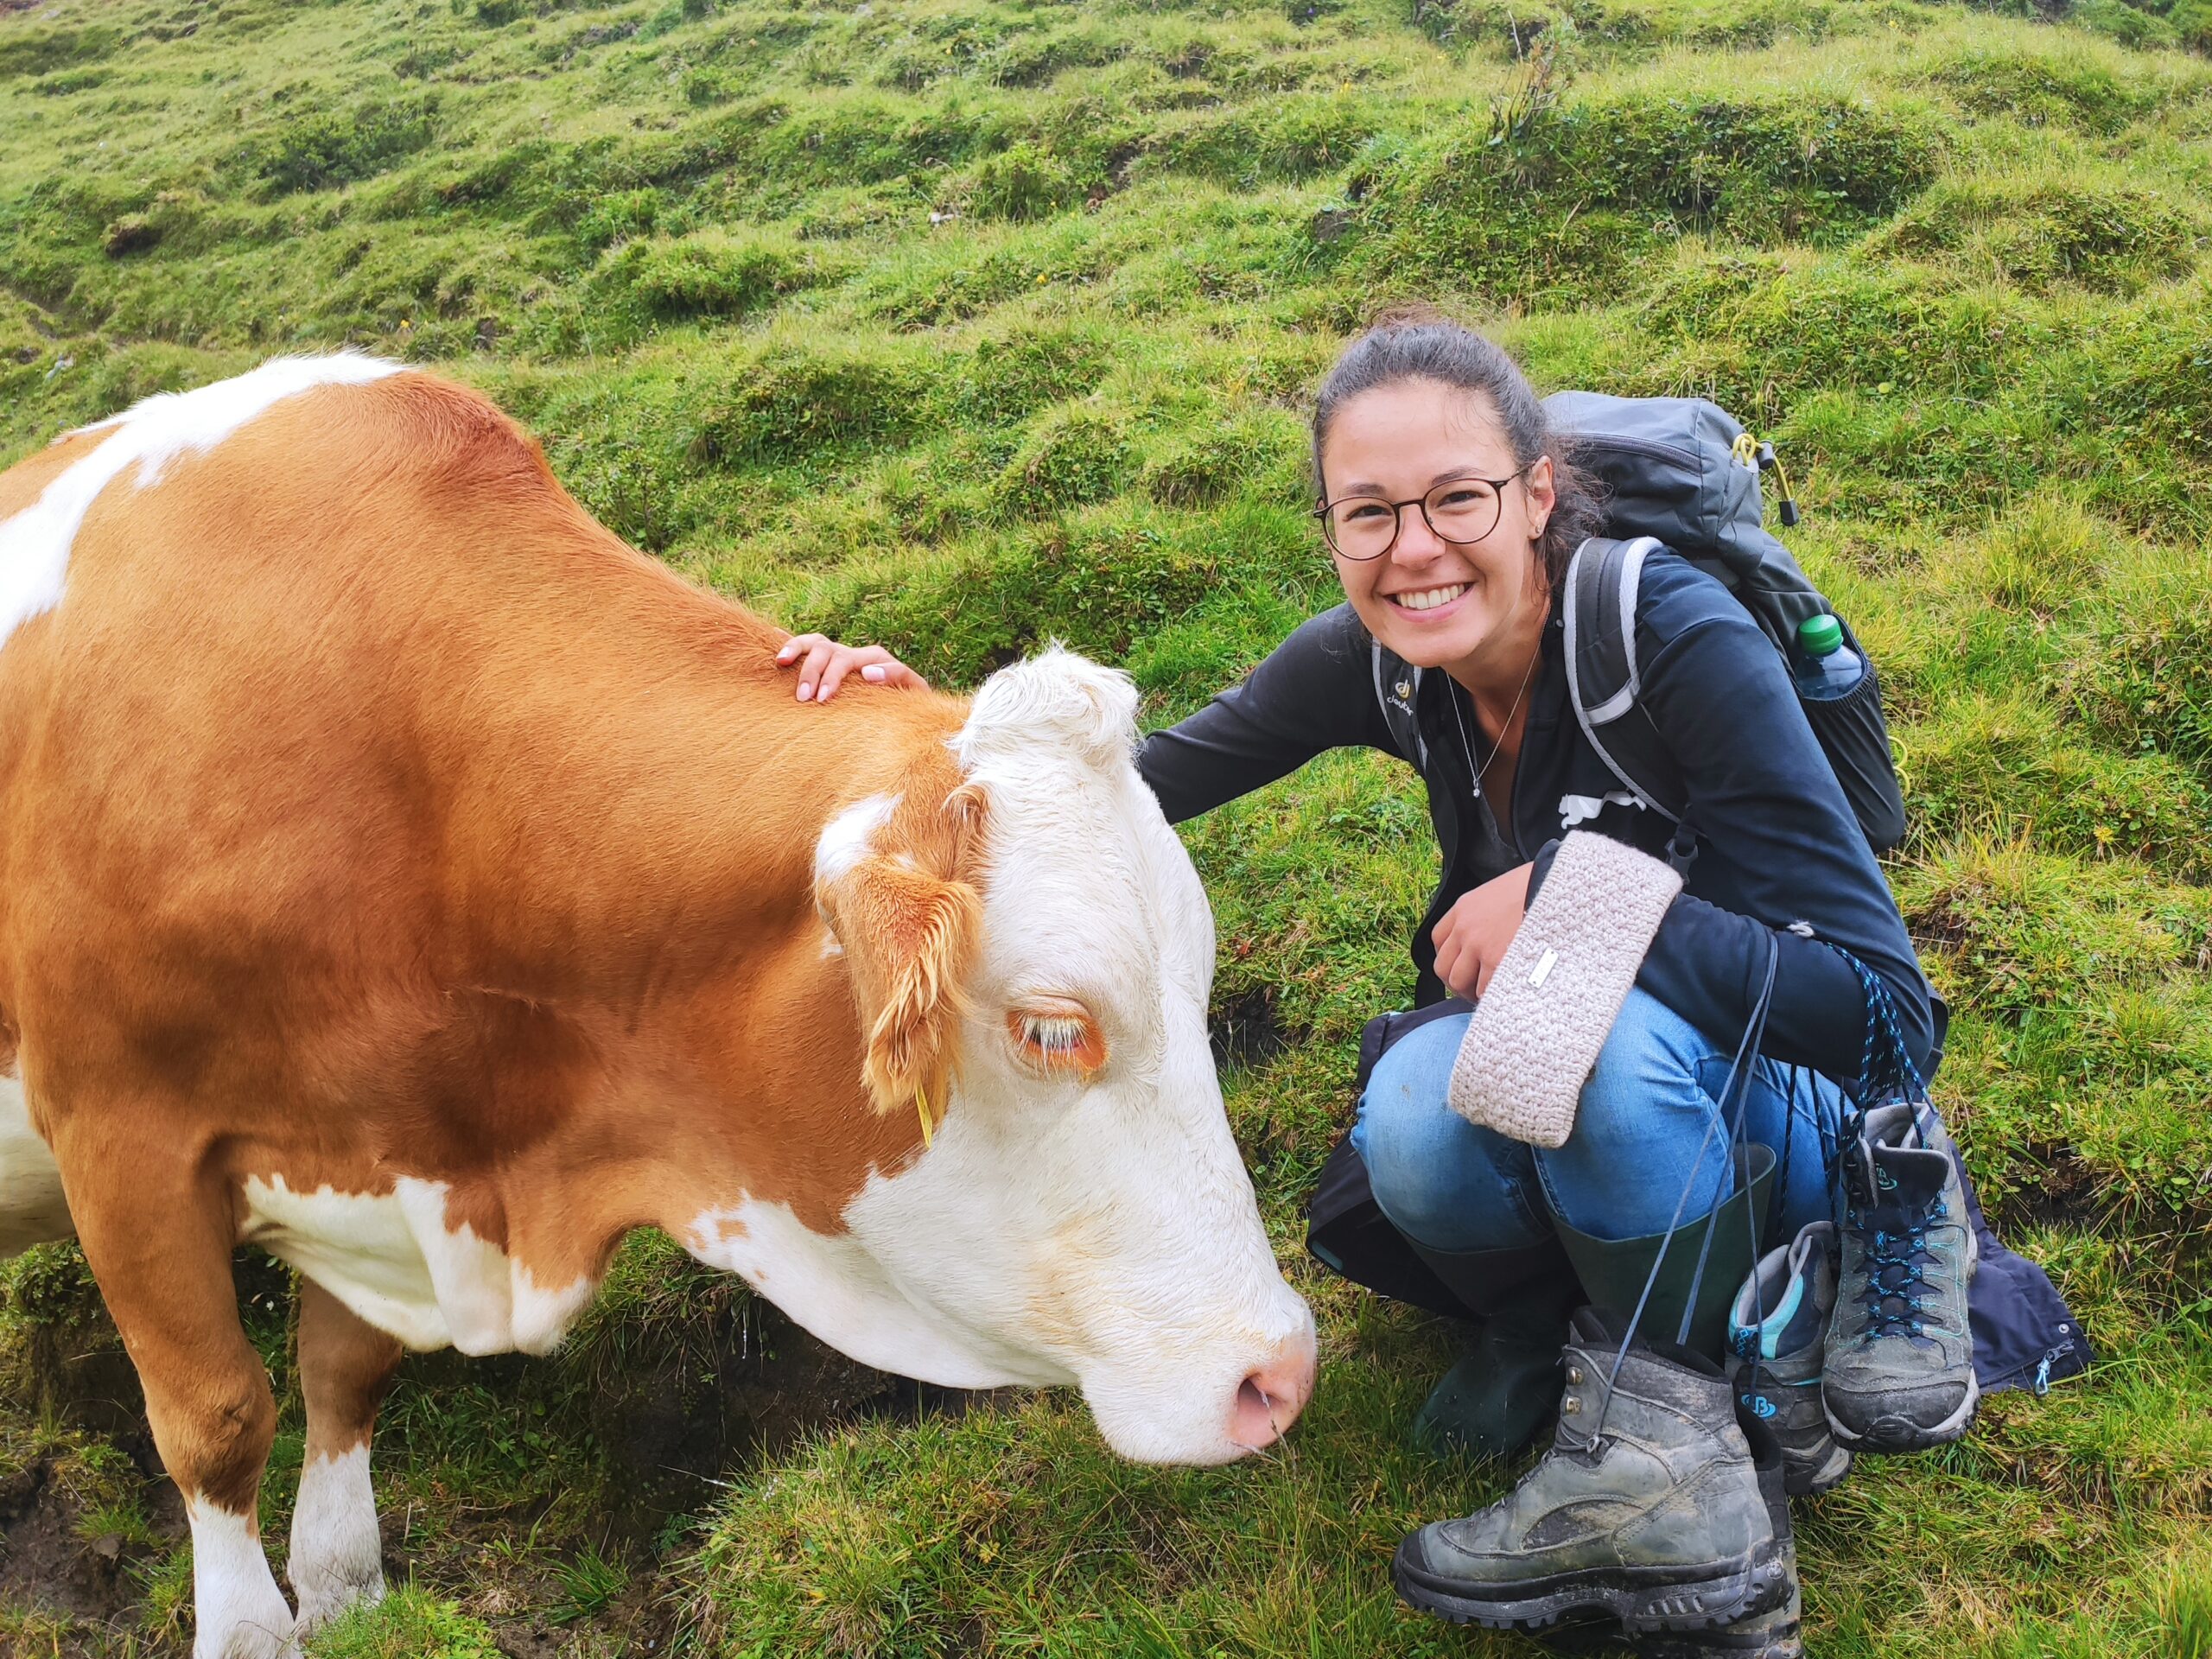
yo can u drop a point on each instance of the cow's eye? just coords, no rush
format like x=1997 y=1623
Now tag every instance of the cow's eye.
x=1057 y=1033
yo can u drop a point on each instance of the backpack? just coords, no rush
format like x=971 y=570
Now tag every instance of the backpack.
x=1682 y=474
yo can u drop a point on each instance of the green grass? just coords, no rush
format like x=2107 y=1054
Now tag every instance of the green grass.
x=965 y=324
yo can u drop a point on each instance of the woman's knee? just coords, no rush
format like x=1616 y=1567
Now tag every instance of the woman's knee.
x=1646 y=1081
x=1442 y=1182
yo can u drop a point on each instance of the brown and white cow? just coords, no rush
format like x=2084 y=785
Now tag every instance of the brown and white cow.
x=400 y=873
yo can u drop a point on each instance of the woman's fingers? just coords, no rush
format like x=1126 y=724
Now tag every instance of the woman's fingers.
x=887 y=669
x=813 y=667
x=823 y=666
x=1451 y=957
x=842 y=662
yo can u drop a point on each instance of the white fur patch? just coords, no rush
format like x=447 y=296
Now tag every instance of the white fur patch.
x=845 y=840
x=35 y=544
x=241 y=1614
x=32 y=1208
x=390 y=1258
x=337 y=1554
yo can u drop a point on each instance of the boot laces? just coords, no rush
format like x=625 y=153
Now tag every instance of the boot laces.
x=1893 y=1304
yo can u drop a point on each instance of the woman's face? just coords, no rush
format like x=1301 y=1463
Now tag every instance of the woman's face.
x=1438 y=603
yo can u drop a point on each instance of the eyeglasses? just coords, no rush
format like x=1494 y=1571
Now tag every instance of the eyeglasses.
x=1458 y=511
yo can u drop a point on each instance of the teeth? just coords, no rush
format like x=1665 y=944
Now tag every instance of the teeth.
x=1429 y=598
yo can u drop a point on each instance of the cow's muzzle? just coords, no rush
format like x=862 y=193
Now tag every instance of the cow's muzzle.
x=1269 y=1399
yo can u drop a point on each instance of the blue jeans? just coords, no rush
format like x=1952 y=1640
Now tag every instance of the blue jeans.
x=1450 y=1186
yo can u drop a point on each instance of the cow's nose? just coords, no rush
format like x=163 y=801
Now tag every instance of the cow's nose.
x=1270 y=1398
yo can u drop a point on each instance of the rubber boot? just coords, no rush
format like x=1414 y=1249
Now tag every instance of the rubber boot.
x=1505 y=1385
x=1647 y=1508
x=1614 y=1271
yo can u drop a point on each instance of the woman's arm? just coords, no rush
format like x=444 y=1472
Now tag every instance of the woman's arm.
x=1766 y=804
x=1314 y=691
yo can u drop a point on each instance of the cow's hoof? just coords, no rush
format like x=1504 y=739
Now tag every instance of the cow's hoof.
x=329 y=1597
x=248 y=1639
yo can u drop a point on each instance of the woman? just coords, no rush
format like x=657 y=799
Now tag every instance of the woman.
x=1450 y=514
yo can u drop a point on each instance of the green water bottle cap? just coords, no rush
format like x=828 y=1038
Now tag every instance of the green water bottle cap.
x=1820 y=635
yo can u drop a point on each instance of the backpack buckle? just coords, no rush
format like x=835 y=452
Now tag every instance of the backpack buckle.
x=1681 y=848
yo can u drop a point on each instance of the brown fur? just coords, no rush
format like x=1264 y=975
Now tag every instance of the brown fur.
x=367 y=810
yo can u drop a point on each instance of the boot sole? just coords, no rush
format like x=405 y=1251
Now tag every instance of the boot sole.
x=1641 y=1598
x=1830 y=1473
x=1914 y=1438
x=1786 y=1642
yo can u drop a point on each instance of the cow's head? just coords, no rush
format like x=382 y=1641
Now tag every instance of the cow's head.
x=1030 y=955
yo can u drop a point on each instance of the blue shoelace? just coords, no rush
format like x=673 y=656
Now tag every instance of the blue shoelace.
x=1903 y=1251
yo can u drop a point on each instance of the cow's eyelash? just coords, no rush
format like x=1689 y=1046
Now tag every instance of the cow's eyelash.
x=1058 y=1041
x=1052 y=1033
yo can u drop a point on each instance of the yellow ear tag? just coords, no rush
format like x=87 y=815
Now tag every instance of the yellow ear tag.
x=922 y=1111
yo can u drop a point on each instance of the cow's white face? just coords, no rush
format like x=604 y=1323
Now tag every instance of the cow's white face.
x=1083 y=1215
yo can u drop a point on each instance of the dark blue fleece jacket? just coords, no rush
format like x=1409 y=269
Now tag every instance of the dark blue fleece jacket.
x=1780 y=854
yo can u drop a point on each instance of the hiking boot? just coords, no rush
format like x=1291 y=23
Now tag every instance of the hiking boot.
x=1646 y=1510
x=1778 y=1334
x=1899 y=1374
x=1777 y=1633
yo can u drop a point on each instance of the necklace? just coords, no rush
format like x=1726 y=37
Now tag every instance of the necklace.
x=1528 y=674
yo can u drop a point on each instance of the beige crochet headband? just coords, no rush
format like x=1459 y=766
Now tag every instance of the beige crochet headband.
x=1550 y=1006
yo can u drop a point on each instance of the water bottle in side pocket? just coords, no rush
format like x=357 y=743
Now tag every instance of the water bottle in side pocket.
x=1826 y=669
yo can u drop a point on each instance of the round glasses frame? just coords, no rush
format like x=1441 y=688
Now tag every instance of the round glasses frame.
x=1327 y=511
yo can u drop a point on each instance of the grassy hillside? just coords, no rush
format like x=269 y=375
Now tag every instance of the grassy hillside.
x=960 y=324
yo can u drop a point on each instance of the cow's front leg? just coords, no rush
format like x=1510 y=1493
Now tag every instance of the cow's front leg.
x=345 y=1368
x=160 y=1246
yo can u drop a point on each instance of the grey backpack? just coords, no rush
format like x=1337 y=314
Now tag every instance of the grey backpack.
x=1681 y=472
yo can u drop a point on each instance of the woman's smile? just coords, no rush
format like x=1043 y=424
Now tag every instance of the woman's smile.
x=1428 y=601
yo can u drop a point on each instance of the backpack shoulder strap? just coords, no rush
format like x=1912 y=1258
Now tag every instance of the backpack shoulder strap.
x=1604 y=583
x=1397 y=689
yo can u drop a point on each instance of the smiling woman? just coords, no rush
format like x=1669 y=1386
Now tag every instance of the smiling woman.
x=1451 y=511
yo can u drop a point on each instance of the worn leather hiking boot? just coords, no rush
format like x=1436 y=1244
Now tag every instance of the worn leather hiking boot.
x=1898 y=1372
x=1777 y=1340
x=1647 y=1508
x=1779 y=1633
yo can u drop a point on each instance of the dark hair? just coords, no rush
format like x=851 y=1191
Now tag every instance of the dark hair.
x=1421 y=344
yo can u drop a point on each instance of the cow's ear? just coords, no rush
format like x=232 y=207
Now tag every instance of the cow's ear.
x=909 y=936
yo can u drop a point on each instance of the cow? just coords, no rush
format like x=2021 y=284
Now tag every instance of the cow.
x=401 y=873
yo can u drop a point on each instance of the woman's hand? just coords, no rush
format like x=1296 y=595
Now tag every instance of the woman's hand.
x=1472 y=939
x=824 y=663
